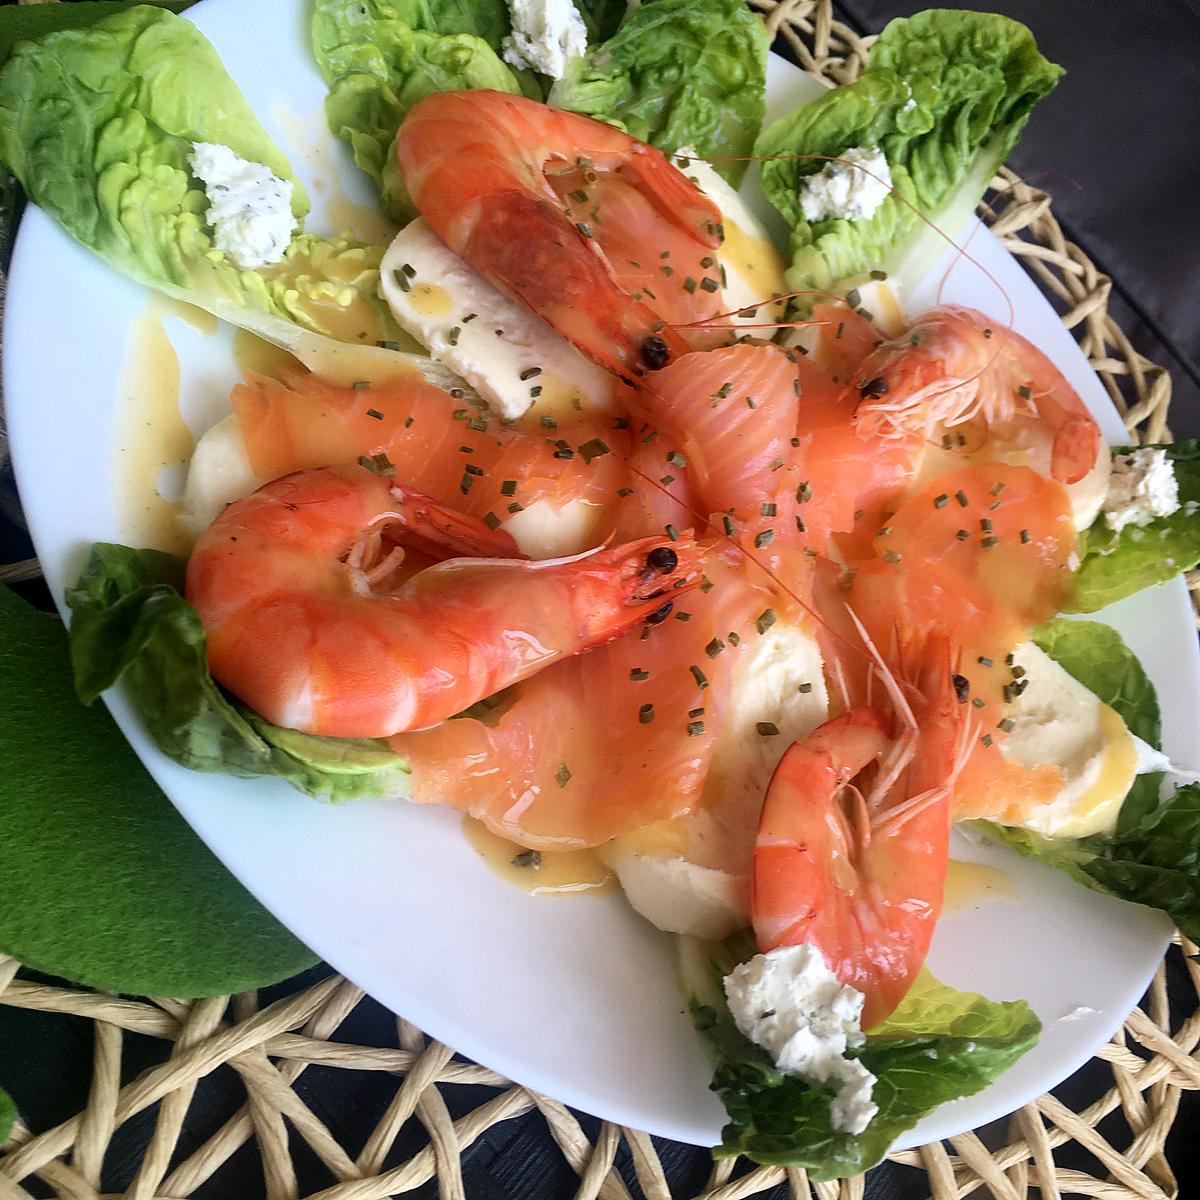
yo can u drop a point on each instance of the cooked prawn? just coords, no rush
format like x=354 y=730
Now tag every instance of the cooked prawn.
x=295 y=588
x=854 y=837
x=956 y=369
x=480 y=167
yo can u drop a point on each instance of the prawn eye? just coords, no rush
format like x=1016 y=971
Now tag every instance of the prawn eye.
x=873 y=388
x=655 y=352
x=663 y=559
x=962 y=688
x=659 y=615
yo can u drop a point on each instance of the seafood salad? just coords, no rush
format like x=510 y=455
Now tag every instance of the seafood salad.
x=584 y=506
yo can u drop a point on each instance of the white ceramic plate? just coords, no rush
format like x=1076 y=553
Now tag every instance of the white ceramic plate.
x=575 y=997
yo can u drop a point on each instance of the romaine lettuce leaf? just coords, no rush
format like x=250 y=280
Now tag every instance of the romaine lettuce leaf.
x=131 y=621
x=1116 y=565
x=940 y=1044
x=678 y=73
x=380 y=57
x=602 y=17
x=98 y=125
x=944 y=96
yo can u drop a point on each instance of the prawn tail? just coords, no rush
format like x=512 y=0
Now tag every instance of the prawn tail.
x=422 y=524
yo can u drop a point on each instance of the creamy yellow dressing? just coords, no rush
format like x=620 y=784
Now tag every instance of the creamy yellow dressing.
x=757 y=261
x=430 y=300
x=151 y=434
x=1096 y=810
x=308 y=139
x=547 y=873
x=255 y=354
x=969 y=885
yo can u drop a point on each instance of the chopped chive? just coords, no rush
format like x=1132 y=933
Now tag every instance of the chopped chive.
x=840 y=329
x=979 y=703
x=469 y=318
x=961 y=497
x=714 y=647
x=878 y=275
x=765 y=538
x=805 y=688
x=549 y=423
x=804 y=492
x=528 y=858
x=985 y=524
x=563 y=775
x=689 y=285
x=491 y=520
x=963 y=534
x=516 y=507
x=768 y=510
x=671 y=532
x=800 y=525
x=593 y=449
x=676 y=459
x=452 y=336
x=984 y=661
x=767 y=728
x=892 y=556
x=750 y=403
x=776 y=463
x=472 y=469
x=699 y=676
x=997 y=489
x=695 y=712
x=508 y=487
x=529 y=373
x=988 y=542
x=709 y=284
x=650 y=437
x=941 y=501
x=374 y=412
x=402 y=281
x=853 y=298
x=1008 y=725
x=986 y=739
x=666 y=480
x=734 y=638
x=695 y=728
x=535 y=392
x=1025 y=537
x=765 y=620
x=638 y=675
x=359 y=384
x=683 y=616
x=409 y=422
x=625 y=491
x=1025 y=392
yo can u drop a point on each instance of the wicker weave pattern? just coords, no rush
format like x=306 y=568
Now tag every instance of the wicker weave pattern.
x=1149 y=1062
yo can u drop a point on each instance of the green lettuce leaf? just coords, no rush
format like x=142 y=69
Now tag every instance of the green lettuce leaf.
x=98 y=125
x=678 y=74
x=380 y=57
x=939 y=1045
x=131 y=621
x=944 y=96
x=602 y=17
x=1116 y=565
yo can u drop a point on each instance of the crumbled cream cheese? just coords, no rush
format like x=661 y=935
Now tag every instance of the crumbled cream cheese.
x=853 y=187
x=1142 y=486
x=791 y=1004
x=547 y=34
x=250 y=209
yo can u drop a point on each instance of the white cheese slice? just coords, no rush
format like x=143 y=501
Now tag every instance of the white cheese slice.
x=691 y=874
x=543 y=531
x=512 y=358
x=1058 y=722
x=219 y=473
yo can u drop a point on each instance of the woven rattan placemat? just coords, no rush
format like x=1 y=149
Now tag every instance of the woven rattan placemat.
x=1138 y=1076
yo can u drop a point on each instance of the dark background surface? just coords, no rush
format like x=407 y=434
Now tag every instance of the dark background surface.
x=1117 y=145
